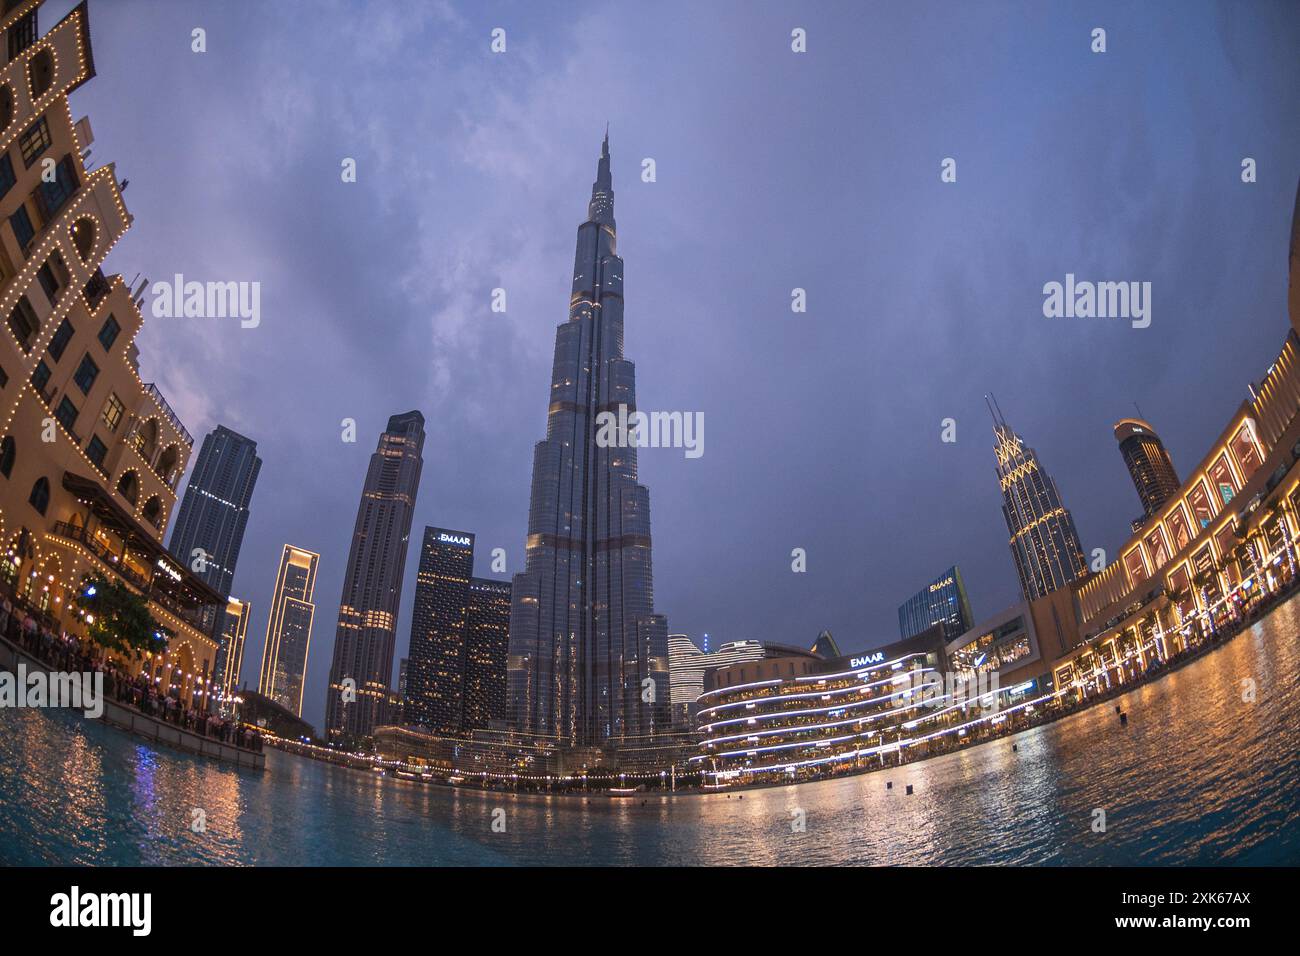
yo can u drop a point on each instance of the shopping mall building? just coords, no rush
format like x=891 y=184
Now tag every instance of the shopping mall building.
x=1224 y=544
x=799 y=716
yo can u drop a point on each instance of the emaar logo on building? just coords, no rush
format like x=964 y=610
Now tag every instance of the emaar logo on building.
x=863 y=661
x=454 y=539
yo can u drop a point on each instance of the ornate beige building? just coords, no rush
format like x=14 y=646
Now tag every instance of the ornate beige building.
x=90 y=454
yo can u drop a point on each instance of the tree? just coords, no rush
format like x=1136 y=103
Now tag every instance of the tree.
x=117 y=618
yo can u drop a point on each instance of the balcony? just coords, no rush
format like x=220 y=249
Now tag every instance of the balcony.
x=113 y=561
x=172 y=417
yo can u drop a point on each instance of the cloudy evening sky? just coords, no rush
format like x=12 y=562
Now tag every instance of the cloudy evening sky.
x=774 y=171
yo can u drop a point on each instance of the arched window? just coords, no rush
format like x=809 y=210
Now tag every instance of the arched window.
x=128 y=486
x=153 y=511
x=40 y=73
x=146 y=439
x=167 y=462
x=40 y=496
x=8 y=452
x=83 y=236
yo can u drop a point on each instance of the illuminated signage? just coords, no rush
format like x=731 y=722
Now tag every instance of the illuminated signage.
x=875 y=658
x=167 y=569
x=938 y=585
x=454 y=539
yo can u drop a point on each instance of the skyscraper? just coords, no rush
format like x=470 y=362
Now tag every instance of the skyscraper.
x=1044 y=542
x=588 y=655
x=1148 y=464
x=487 y=639
x=288 y=629
x=230 y=645
x=456 y=665
x=372 y=584
x=942 y=601
x=214 y=511
x=436 y=658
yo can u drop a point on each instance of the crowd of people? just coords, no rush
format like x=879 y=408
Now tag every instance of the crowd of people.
x=40 y=637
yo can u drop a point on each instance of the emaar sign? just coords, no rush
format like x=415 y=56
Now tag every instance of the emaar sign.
x=875 y=658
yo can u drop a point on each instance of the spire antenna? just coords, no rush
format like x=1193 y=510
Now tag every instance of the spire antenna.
x=995 y=410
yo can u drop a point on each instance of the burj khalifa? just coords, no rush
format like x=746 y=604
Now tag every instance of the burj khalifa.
x=588 y=661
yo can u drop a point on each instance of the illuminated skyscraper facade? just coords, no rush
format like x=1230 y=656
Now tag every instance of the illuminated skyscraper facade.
x=487 y=625
x=230 y=645
x=214 y=511
x=942 y=601
x=460 y=624
x=588 y=655
x=435 y=662
x=1149 y=465
x=365 y=639
x=288 y=629
x=1044 y=542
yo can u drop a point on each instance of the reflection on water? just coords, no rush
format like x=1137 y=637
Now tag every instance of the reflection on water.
x=1198 y=776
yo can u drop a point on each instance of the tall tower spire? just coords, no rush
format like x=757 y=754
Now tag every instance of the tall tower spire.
x=601 y=208
x=588 y=657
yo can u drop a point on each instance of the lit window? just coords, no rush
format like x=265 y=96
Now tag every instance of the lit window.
x=113 y=412
x=35 y=141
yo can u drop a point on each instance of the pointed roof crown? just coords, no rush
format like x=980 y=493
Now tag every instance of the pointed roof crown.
x=601 y=207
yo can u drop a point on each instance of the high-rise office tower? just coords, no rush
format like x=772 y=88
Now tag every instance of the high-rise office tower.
x=1148 y=464
x=372 y=584
x=456 y=664
x=588 y=655
x=214 y=511
x=1044 y=542
x=942 y=601
x=487 y=627
x=436 y=658
x=288 y=629
x=230 y=645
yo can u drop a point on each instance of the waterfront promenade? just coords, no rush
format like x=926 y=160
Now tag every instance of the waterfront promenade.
x=622 y=786
x=1198 y=776
x=131 y=704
